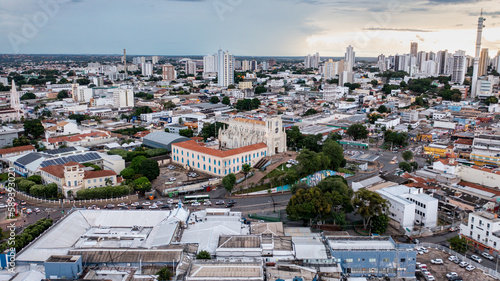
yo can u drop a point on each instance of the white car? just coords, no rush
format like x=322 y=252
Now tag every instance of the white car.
x=488 y=256
x=146 y=203
x=470 y=268
x=437 y=261
x=463 y=264
x=135 y=204
x=154 y=206
x=122 y=205
x=476 y=258
x=430 y=278
x=195 y=204
x=172 y=179
x=452 y=258
x=451 y=275
x=170 y=201
x=207 y=203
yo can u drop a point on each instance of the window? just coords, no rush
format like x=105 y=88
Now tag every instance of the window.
x=100 y=180
x=487 y=233
x=494 y=244
x=348 y=260
x=385 y=260
x=472 y=219
x=373 y=260
x=95 y=180
x=403 y=260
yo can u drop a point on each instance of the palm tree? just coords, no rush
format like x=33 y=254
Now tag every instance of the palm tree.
x=108 y=182
x=246 y=168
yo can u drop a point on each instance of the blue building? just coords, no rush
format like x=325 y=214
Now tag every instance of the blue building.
x=373 y=256
x=63 y=267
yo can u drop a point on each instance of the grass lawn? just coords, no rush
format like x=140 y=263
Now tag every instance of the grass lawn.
x=281 y=170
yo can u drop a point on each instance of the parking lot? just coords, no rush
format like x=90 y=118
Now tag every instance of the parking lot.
x=174 y=177
x=439 y=271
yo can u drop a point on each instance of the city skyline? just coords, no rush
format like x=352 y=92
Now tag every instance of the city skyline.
x=200 y=27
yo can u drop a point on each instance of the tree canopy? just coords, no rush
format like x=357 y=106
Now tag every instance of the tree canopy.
x=369 y=204
x=357 y=131
x=308 y=204
x=33 y=128
x=228 y=182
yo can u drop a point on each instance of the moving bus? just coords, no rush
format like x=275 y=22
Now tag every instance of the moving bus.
x=196 y=198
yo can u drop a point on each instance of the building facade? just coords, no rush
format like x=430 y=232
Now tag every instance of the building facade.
x=216 y=162
x=483 y=230
x=243 y=132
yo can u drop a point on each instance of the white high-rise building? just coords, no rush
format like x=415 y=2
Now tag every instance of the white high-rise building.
x=190 y=67
x=209 y=64
x=225 y=68
x=329 y=69
x=81 y=93
x=245 y=66
x=459 y=67
x=381 y=64
x=350 y=58
x=147 y=69
x=123 y=98
x=312 y=61
x=154 y=59
x=496 y=62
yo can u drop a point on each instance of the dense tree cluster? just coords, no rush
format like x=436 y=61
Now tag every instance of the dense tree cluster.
x=247 y=104
x=30 y=233
x=103 y=192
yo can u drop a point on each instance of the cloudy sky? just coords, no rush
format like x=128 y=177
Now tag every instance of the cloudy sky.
x=245 y=28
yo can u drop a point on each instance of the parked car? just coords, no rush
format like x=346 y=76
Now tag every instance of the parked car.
x=463 y=264
x=170 y=167
x=170 y=201
x=110 y=206
x=232 y=202
x=229 y=205
x=470 y=268
x=430 y=278
x=488 y=256
x=154 y=206
x=451 y=275
x=135 y=204
x=37 y=210
x=122 y=204
x=2 y=206
x=423 y=266
x=457 y=261
x=29 y=211
x=476 y=258
x=437 y=261
x=159 y=203
x=146 y=203
x=220 y=202
x=195 y=204
x=207 y=203
x=452 y=258
x=172 y=179
x=23 y=202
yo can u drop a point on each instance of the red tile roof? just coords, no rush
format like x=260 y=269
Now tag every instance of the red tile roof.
x=55 y=170
x=142 y=134
x=73 y=163
x=480 y=187
x=98 y=174
x=17 y=149
x=192 y=145
x=464 y=141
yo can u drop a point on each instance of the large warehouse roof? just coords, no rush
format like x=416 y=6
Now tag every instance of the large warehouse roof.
x=162 y=140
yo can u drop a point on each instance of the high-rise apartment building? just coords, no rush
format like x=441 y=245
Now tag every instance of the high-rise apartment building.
x=329 y=69
x=168 y=72
x=209 y=64
x=225 y=68
x=147 y=69
x=350 y=58
x=123 y=98
x=414 y=49
x=459 y=67
x=312 y=61
x=154 y=60
x=190 y=67
x=484 y=60
x=381 y=63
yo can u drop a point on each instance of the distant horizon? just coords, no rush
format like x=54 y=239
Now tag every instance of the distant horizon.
x=280 y=28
